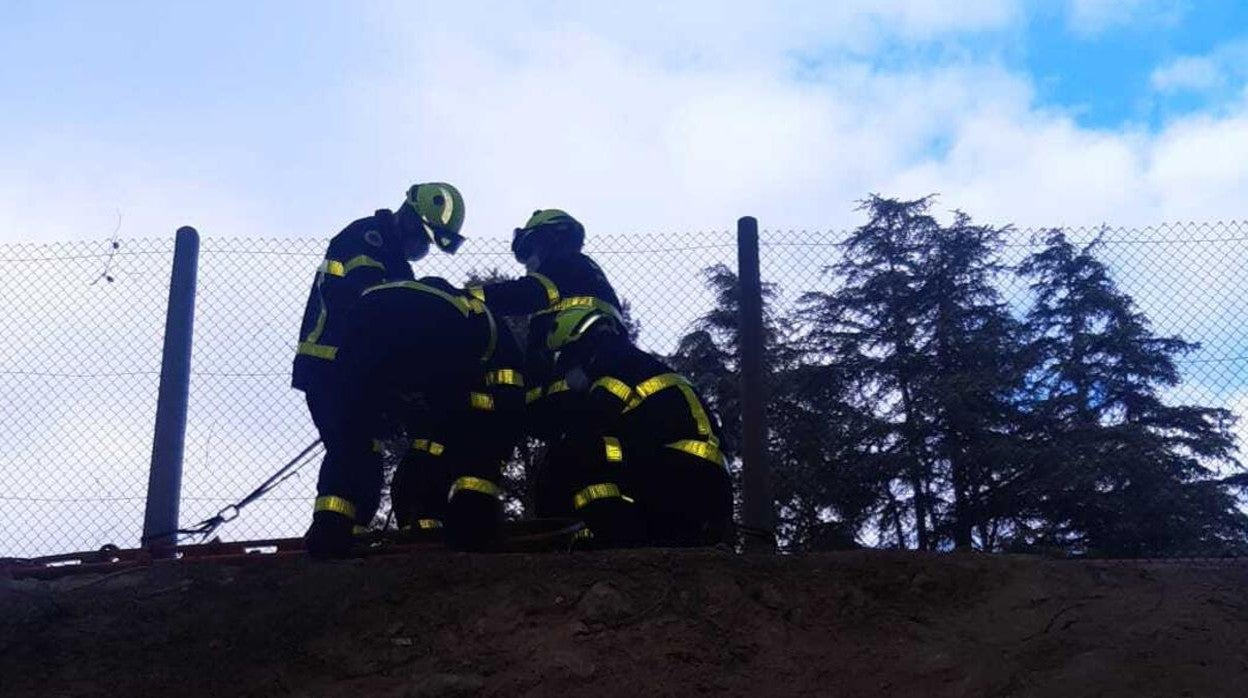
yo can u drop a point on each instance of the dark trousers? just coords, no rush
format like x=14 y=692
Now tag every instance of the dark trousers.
x=677 y=499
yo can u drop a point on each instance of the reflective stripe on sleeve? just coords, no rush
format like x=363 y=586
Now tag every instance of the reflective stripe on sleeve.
x=552 y=291
x=320 y=351
x=481 y=401
x=533 y=395
x=587 y=302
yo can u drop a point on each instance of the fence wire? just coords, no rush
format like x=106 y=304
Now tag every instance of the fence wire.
x=80 y=365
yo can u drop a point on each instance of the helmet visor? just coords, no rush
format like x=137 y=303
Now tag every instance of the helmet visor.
x=448 y=241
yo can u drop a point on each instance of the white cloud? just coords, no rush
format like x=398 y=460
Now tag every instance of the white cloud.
x=1224 y=66
x=1188 y=73
x=1091 y=17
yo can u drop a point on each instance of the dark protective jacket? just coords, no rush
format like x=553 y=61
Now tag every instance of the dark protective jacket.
x=641 y=400
x=561 y=283
x=366 y=253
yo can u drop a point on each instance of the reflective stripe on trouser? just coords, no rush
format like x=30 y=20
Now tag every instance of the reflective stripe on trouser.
x=469 y=483
x=593 y=493
x=424 y=525
x=338 y=505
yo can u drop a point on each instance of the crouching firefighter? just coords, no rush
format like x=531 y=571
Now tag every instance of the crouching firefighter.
x=411 y=352
x=456 y=445
x=642 y=465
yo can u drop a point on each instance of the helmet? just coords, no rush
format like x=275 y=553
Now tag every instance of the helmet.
x=573 y=324
x=548 y=229
x=441 y=210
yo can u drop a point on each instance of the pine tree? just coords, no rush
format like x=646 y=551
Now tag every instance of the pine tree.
x=870 y=327
x=973 y=377
x=1128 y=473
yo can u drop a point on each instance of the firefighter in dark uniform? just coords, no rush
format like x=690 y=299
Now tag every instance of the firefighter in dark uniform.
x=644 y=464
x=560 y=278
x=466 y=433
x=369 y=251
x=411 y=352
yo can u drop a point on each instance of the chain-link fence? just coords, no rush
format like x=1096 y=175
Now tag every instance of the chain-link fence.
x=80 y=364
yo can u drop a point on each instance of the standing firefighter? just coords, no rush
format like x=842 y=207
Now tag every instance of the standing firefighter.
x=642 y=465
x=368 y=252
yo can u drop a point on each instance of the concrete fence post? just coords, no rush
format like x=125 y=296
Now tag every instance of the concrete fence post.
x=164 y=483
x=757 y=508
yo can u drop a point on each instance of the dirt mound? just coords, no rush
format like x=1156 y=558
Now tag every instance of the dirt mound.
x=633 y=624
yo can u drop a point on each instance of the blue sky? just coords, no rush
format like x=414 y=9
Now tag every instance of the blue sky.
x=279 y=118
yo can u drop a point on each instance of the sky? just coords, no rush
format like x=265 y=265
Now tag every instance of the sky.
x=276 y=119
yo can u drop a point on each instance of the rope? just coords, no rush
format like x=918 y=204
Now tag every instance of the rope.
x=208 y=526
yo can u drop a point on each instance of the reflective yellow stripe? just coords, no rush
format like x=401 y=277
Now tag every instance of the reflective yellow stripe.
x=461 y=304
x=332 y=267
x=602 y=490
x=320 y=351
x=552 y=291
x=560 y=386
x=504 y=376
x=583 y=534
x=477 y=292
x=533 y=395
x=492 y=343
x=338 y=505
x=466 y=306
x=615 y=386
x=474 y=484
x=481 y=401
x=428 y=524
x=701 y=449
x=360 y=261
x=650 y=386
x=586 y=302
x=615 y=454
x=323 y=316
x=433 y=448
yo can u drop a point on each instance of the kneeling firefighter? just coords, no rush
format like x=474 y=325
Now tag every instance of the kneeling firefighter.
x=642 y=465
x=415 y=355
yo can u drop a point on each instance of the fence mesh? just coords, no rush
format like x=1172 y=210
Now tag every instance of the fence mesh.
x=80 y=366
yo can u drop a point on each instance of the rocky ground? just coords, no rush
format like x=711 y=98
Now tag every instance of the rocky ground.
x=646 y=623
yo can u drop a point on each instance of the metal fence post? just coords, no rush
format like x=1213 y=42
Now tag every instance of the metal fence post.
x=164 y=483
x=757 y=511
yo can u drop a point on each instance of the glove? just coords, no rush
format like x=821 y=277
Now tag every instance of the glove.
x=330 y=536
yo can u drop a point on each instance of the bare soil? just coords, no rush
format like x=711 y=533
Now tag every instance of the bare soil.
x=643 y=623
